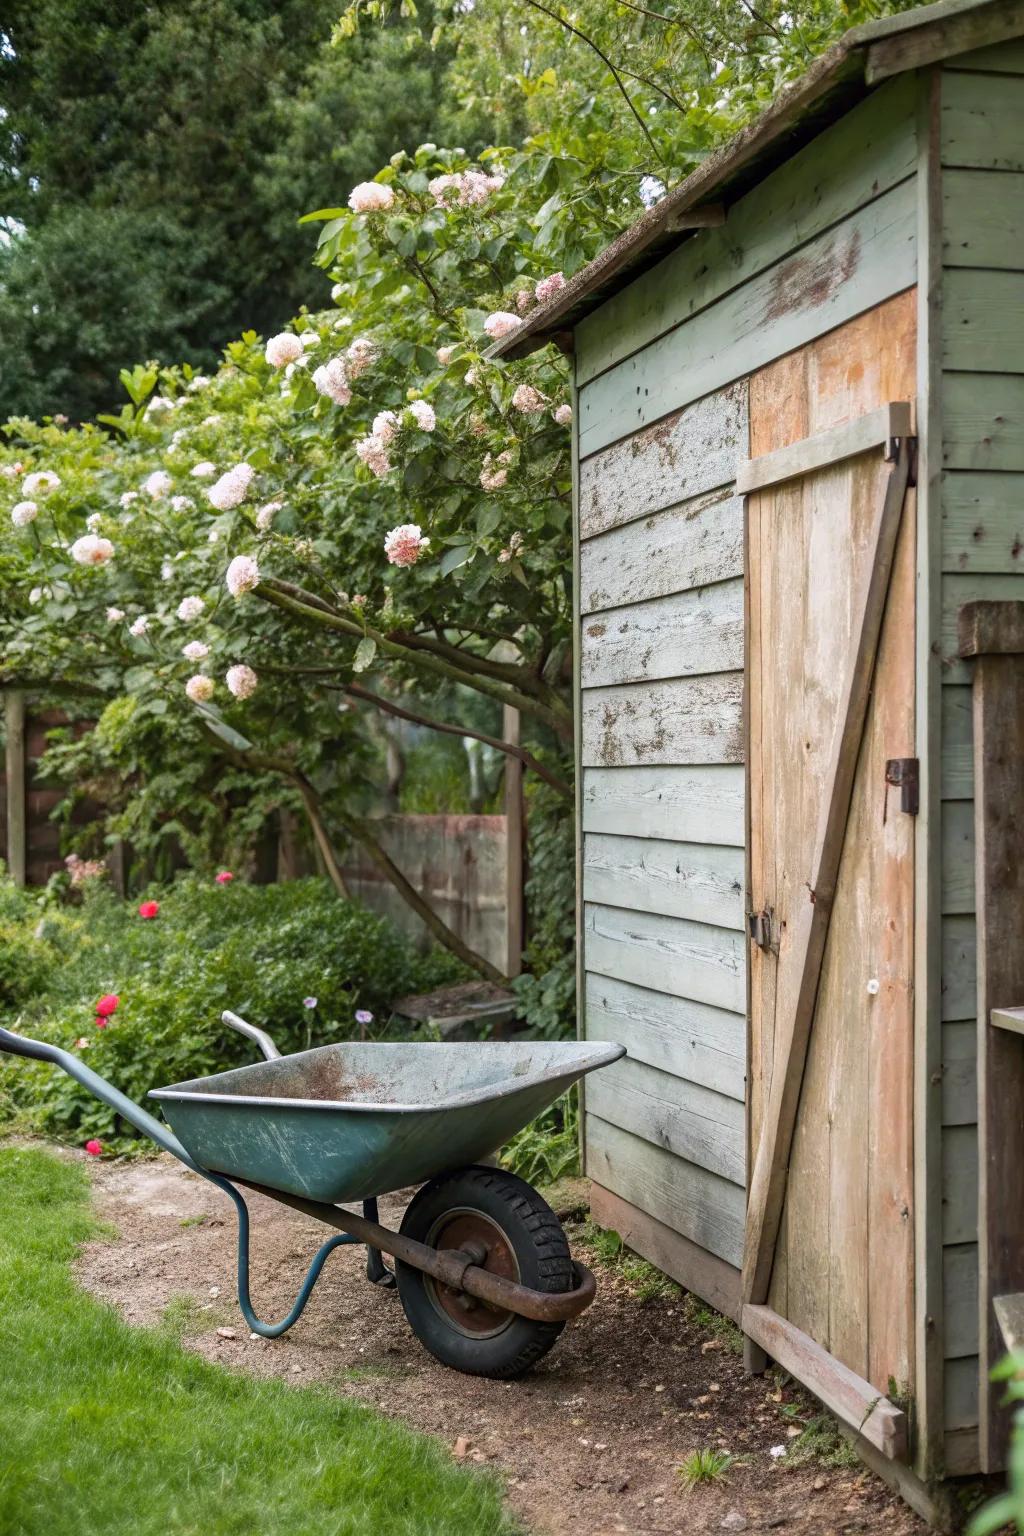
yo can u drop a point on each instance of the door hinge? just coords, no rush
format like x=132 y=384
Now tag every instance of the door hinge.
x=760 y=926
x=905 y=774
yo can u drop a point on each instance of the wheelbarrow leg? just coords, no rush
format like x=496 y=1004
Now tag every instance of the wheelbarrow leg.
x=377 y=1271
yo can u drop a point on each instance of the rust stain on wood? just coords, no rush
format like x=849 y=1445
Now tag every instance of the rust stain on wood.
x=810 y=280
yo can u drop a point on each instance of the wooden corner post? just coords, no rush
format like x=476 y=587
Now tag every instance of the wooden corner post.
x=992 y=634
x=15 y=766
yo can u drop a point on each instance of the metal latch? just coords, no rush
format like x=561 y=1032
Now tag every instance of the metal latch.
x=760 y=926
x=905 y=774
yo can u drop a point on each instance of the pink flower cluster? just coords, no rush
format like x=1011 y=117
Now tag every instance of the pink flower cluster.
x=90 y=549
x=331 y=379
x=241 y=680
x=404 y=545
x=373 y=452
x=81 y=870
x=242 y=575
x=232 y=488
x=501 y=323
x=527 y=399
x=283 y=349
x=371 y=197
x=491 y=478
x=469 y=189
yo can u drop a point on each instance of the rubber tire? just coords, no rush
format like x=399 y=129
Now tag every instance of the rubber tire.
x=541 y=1251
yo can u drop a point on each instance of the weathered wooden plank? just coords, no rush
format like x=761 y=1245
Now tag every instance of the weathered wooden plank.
x=693 y=1123
x=960 y=1453
x=957 y=747
x=961 y=1393
x=992 y=629
x=983 y=320
x=959 y=944
x=982 y=521
x=959 y=588
x=983 y=420
x=999 y=59
x=670 y=954
x=15 y=770
x=959 y=1186
x=958 y=856
x=701 y=1206
x=956 y=31
x=960 y=1300
x=983 y=218
x=689 y=720
x=687 y=456
x=681 y=547
x=983 y=122
x=847 y=439
x=866 y=152
x=695 y=880
x=689 y=804
x=959 y=1073
x=1009 y=1312
x=842 y=273
x=848 y=1395
x=695 y=1269
x=1011 y=1019
x=691 y=1040
x=679 y=636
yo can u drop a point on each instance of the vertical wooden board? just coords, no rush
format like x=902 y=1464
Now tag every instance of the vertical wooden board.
x=688 y=804
x=868 y=151
x=957 y=856
x=685 y=457
x=959 y=968
x=695 y=880
x=689 y=545
x=691 y=1040
x=700 y=1205
x=961 y=1393
x=845 y=272
x=983 y=122
x=960 y=1185
x=668 y=953
x=960 y=1300
x=957 y=748
x=983 y=320
x=678 y=636
x=959 y=1073
x=982 y=522
x=687 y=720
x=693 y=1123
x=850 y=1186
x=982 y=219
x=983 y=420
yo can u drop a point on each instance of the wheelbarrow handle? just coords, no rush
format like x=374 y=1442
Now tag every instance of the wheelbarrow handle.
x=40 y=1050
x=260 y=1036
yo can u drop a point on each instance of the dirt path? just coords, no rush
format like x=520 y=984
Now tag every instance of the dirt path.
x=589 y=1443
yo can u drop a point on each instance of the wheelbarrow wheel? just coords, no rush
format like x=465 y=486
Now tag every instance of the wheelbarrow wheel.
x=491 y=1210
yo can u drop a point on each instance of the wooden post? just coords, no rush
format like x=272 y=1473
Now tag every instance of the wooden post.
x=17 y=835
x=993 y=634
x=515 y=833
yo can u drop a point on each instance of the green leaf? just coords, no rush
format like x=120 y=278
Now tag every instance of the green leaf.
x=366 y=650
x=488 y=518
x=453 y=558
x=219 y=726
x=323 y=213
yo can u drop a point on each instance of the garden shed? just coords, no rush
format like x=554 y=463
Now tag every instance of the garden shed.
x=799 y=434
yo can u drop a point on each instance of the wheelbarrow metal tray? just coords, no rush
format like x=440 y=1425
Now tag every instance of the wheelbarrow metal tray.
x=354 y=1120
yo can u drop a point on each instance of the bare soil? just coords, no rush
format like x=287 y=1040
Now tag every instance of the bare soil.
x=589 y=1443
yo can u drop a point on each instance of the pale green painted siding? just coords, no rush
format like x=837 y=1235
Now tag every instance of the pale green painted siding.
x=982 y=403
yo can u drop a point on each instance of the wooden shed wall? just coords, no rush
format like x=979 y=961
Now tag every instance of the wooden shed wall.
x=662 y=420
x=982 y=404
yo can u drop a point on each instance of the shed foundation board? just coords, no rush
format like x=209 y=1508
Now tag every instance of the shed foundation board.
x=693 y=1267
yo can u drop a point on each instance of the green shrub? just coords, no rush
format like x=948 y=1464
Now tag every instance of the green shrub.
x=258 y=950
x=25 y=964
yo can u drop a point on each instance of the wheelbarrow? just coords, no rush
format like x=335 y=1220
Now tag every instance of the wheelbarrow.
x=482 y=1267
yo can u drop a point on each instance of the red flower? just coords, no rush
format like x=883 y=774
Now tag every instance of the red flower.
x=149 y=908
x=94 y=1148
x=225 y=877
x=101 y=1022
x=107 y=1005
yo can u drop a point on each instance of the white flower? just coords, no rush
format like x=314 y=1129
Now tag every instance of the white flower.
x=404 y=545
x=177 y=438
x=190 y=608
x=92 y=522
x=337 y=291
x=159 y=403
x=309 y=339
x=183 y=504
x=139 y=627
x=91 y=550
x=115 y=615
x=198 y=382
x=10 y=471
x=331 y=379
x=166 y=569
x=386 y=427
x=361 y=353
x=371 y=197
x=23 y=513
x=265 y=515
x=158 y=484
x=35 y=596
x=501 y=323
x=199 y=688
x=204 y=470
x=127 y=497
x=212 y=421
x=525 y=300
x=241 y=681
x=213 y=537
x=426 y=418
x=232 y=488
x=492 y=479
x=283 y=349
x=445 y=355
x=515 y=544
x=242 y=575
x=562 y=414
x=41 y=483
x=195 y=651
x=374 y=454
x=528 y=400
x=548 y=287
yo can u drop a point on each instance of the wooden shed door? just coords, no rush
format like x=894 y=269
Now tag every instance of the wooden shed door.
x=830 y=703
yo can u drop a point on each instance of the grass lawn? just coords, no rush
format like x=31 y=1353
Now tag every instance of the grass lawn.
x=107 y=1430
